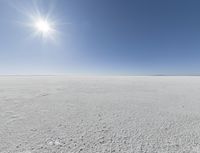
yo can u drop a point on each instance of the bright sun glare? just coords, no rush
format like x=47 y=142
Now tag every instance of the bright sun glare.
x=43 y=26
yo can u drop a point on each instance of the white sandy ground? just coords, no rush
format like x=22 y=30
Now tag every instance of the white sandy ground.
x=58 y=114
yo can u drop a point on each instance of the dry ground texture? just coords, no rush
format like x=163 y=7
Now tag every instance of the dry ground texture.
x=60 y=114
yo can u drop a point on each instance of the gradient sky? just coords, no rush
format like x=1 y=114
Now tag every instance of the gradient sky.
x=122 y=37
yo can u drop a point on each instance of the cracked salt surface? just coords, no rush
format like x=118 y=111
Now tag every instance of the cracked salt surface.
x=99 y=114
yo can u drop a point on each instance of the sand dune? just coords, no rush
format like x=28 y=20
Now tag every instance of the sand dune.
x=58 y=114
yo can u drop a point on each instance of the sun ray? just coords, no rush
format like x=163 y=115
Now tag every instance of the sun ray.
x=42 y=24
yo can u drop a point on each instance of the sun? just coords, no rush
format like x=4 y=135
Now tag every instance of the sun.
x=40 y=23
x=44 y=27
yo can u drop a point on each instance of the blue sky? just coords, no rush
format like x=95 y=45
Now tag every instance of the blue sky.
x=112 y=37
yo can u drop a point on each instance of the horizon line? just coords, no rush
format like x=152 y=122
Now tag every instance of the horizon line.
x=75 y=75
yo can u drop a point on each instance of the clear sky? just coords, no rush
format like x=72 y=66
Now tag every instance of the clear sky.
x=113 y=37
